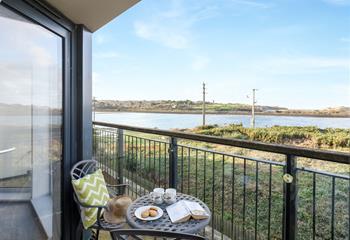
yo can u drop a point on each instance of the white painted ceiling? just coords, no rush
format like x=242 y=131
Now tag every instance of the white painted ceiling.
x=92 y=13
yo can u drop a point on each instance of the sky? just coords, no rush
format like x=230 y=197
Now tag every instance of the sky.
x=296 y=53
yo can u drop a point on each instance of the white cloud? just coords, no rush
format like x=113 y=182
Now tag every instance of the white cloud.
x=173 y=27
x=345 y=39
x=200 y=63
x=291 y=65
x=163 y=34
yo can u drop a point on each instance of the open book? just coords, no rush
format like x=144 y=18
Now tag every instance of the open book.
x=183 y=210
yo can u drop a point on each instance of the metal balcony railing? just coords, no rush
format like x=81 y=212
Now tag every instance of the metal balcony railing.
x=261 y=191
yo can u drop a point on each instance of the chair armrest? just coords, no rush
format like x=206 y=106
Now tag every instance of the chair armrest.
x=118 y=185
x=118 y=189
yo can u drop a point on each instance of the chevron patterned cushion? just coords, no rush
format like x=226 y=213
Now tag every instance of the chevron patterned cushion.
x=91 y=190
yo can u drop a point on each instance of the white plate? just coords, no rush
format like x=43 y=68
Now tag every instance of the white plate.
x=141 y=209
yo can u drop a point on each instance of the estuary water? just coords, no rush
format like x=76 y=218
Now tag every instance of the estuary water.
x=171 y=120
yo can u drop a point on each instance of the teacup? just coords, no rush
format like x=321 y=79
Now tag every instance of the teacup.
x=157 y=195
x=170 y=196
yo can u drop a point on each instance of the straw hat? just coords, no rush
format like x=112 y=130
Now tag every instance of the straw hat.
x=116 y=209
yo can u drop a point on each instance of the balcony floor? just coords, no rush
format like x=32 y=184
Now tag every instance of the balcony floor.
x=19 y=221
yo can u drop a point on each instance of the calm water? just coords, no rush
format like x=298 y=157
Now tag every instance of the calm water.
x=168 y=121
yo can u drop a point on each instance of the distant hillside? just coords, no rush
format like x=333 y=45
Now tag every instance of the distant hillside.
x=21 y=110
x=187 y=106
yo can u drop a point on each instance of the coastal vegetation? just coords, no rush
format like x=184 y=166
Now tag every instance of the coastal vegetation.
x=195 y=107
x=329 y=138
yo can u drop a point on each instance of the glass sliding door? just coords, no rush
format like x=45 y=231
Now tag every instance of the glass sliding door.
x=31 y=79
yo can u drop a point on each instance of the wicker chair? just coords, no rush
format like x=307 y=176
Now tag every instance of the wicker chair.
x=140 y=234
x=80 y=170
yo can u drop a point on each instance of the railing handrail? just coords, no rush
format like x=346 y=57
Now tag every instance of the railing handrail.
x=331 y=156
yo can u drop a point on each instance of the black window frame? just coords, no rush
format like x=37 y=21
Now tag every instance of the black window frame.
x=77 y=142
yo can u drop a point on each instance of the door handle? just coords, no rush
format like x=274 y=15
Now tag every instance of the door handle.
x=7 y=150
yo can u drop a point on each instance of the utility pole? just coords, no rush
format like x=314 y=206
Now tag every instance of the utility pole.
x=203 y=109
x=253 y=109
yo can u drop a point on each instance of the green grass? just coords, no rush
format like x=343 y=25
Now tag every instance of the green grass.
x=329 y=138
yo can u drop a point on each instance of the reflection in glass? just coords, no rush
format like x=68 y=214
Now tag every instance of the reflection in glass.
x=30 y=125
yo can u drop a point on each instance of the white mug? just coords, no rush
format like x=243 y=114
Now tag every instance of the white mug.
x=170 y=196
x=157 y=195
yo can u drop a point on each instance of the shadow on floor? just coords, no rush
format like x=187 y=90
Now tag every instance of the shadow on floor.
x=18 y=221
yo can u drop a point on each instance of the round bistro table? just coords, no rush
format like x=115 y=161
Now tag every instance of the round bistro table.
x=164 y=223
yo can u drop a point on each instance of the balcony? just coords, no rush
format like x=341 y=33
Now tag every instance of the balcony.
x=254 y=190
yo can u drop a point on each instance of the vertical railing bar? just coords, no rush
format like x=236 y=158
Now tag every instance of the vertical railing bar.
x=165 y=164
x=290 y=221
x=127 y=145
x=182 y=168
x=123 y=158
x=269 y=210
x=96 y=143
x=116 y=157
x=114 y=145
x=222 y=196
x=141 y=156
x=102 y=161
x=188 y=170
x=142 y=166
x=139 y=172
x=233 y=196
x=204 y=175
x=173 y=161
x=137 y=180
x=244 y=193
x=154 y=164
x=256 y=198
x=115 y=151
x=284 y=207
x=100 y=146
x=333 y=207
x=144 y=148
x=159 y=163
x=103 y=148
x=110 y=147
x=132 y=164
x=213 y=196
x=146 y=167
x=138 y=167
x=142 y=170
x=314 y=206
x=196 y=172
x=108 y=153
x=349 y=209
x=149 y=159
x=143 y=160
